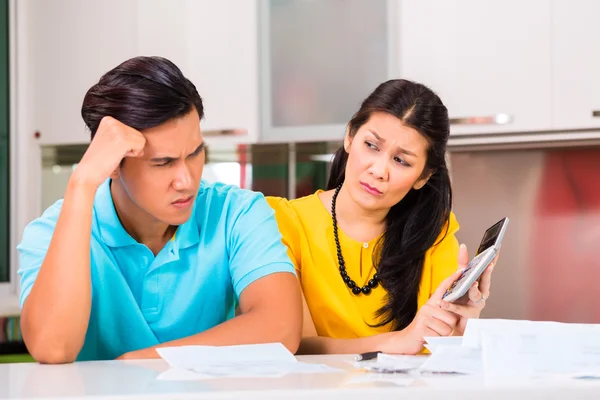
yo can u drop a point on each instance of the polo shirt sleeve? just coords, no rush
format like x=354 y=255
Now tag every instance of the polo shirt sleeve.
x=34 y=246
x=254 y=243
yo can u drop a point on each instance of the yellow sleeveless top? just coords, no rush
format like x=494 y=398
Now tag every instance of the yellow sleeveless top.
x=307 y=231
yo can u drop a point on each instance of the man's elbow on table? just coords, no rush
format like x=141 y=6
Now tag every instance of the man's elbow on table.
x=277 y=301
x=290 y=336
x=51 y=351
x=46 y=345
x=54 y=356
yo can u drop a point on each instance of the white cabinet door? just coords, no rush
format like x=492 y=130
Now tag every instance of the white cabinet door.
x=214 y=43
x=576 y=64
x=222 y=61
x=488 y=60
x=319 y=60
x=161 y=30
x=73 y=44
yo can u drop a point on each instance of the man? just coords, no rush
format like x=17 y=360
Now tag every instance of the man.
x=141 y=253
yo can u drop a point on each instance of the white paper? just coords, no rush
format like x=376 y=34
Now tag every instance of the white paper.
x=433 y=342
x=210 y=362
x=177 y=374
x=446 y=359
x=454 y=359
x=389 y=363
x=180 y=374
x=500 y=348
x=247 y=371
x=590 y=373
x=473 y=333
x=199 y=357
x=541 y=354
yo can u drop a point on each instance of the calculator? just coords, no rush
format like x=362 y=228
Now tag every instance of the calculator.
x=487 y=251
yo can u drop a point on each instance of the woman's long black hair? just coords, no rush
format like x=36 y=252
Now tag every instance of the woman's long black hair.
x=414 y=224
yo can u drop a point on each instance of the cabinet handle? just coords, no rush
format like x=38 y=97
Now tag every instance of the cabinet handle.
x=498 y=119
x=596 y=113
x=225 y=132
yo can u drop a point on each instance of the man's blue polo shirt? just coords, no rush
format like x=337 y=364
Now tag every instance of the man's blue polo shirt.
x=193 y=284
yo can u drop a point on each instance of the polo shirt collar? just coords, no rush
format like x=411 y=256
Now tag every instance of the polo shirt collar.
x=114 y=235
x=188 y=234
x=110 y=227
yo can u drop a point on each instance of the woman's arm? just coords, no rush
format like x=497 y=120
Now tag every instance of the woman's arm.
x=431 y=320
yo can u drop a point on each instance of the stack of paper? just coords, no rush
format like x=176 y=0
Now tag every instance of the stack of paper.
x=433 y=342
x=391 y=363
x=448 y=357
x=501 y=348
x=454 y=359
x=260 y=360
x=554 y=350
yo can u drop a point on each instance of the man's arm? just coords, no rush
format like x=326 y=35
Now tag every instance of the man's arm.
x=271 y=312
x=55 y=315
x=56 y=311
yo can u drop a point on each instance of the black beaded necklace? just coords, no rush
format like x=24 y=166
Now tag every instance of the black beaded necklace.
x=372 y=284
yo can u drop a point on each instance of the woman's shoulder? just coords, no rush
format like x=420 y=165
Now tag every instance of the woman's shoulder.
x=449 y=229
x=303 y=207
x=446 y=242
x=452 y=224
x=441 y=260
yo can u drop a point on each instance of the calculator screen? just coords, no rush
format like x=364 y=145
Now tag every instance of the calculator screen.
x=490 y=236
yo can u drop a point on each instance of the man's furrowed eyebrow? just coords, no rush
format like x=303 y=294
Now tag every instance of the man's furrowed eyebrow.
x=198 y=149
x=161 y=160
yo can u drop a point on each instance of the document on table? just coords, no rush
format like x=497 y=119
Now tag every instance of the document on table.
x=435 y=341
x=473 y=333
x=534 y=354
x=246 y=371
x=446 y=359
x=393 y=363
x=454 y=359
x=190 y=357
x=500 y=348
x=259 y=360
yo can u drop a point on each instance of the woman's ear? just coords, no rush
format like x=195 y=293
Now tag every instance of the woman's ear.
x=423 y=180
x=347 y=141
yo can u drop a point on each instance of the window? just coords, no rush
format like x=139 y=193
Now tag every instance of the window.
x=4 y=145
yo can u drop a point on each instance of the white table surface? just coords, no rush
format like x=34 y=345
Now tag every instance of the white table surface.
x=138 y=380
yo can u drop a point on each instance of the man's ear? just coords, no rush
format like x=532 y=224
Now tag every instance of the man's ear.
x=422 y=180
x=116 y=174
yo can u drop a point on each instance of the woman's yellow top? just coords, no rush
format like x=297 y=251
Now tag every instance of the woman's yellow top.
x=307 y=230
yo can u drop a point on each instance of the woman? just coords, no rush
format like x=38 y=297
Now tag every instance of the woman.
x=372 y=249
